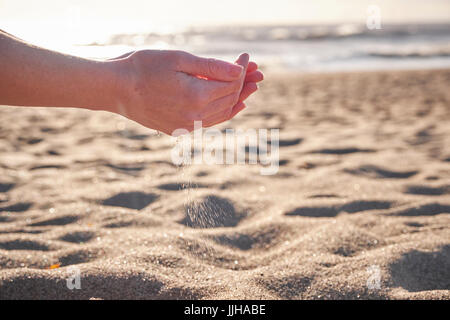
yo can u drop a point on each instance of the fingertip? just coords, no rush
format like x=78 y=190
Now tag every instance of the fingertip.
x=259 y=76
x=252 y=66
x=255 y=76
x=243 y=59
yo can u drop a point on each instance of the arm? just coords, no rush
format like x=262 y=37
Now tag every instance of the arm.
x=32 y=76
x=162 y=90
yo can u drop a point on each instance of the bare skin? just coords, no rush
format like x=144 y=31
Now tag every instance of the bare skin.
x=162 y=90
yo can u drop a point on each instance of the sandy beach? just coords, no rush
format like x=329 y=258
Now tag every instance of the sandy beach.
x=362 y=193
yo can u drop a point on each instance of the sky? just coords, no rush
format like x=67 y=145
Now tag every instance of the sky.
x=49 y=18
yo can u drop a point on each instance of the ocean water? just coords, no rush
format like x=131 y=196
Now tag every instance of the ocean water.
x=327 y=48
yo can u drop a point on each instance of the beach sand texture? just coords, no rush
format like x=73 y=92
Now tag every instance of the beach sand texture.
x=363 y=191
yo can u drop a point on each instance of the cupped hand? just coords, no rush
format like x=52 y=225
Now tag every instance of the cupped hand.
x=169 y=90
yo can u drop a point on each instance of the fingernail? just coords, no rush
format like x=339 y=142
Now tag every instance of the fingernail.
x=245 y=57
x=235 y=70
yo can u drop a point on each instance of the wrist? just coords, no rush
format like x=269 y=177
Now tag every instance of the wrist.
x=113 y=87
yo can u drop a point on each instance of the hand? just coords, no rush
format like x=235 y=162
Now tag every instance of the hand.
x=168 y=90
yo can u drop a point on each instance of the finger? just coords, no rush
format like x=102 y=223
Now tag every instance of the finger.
x=243 y=61
x=217 y=89
x=220 y=107
x=237 y=108
x=123 y=55
x=247 y=90
x=209 y=67
x=224 y=113
x=226 y=102
x=252 y=66
x=255 y=76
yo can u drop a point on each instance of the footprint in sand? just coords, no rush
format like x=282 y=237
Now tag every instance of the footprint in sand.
x=334 y=210
x=59 y=221
x=53 y=152
x=422 y=271
x=380 y=173
x=177 y=186
x=132 y=135
x=422 y=137
x=211 y=212
x=131 y=200
x=30 y=141
x=47 y=166
x=78 y=236
x=341 y=151
x=6 y=219
x=24 y=245
x=99 y=286
x=5 y=187
x=261 y=237
x=281 y=143
x=428 y=191
x=429 y=209
x=131 y=169
x=288 y=142
x=289 y=287
x=80 y=256
x=17 y=207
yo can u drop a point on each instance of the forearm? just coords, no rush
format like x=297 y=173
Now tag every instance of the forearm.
x=32 y=76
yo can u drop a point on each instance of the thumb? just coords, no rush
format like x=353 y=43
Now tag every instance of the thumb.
x=210 y=68
x=243 y=61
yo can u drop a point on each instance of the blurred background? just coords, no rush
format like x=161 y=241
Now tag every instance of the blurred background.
x=364 y=171
x=286 y=35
